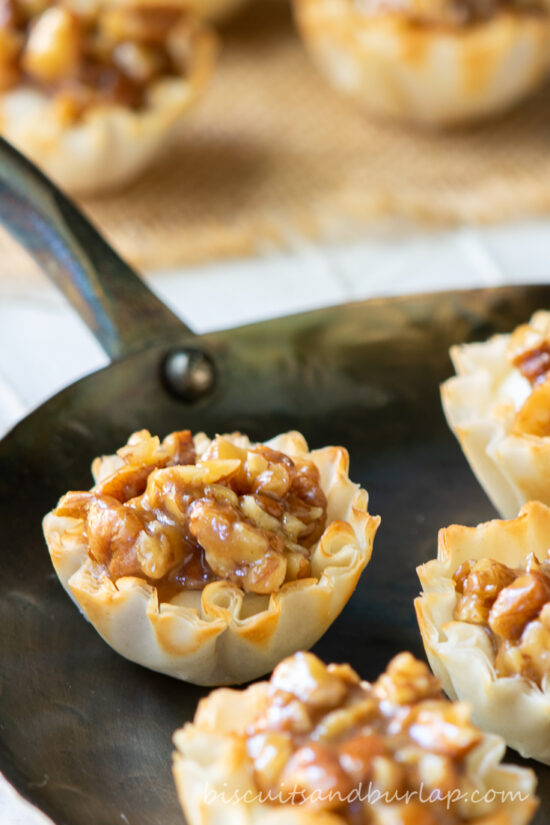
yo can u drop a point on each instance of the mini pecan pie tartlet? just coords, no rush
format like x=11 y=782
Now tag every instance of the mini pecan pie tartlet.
x=484 y=615
x=315 y=745
x=498 y=406
x=437 y=62
x=93 y=92
x=211 y=560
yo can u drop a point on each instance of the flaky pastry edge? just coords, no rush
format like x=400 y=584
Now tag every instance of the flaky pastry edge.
x=512 y=467
x=221 y=635
x=461 y=654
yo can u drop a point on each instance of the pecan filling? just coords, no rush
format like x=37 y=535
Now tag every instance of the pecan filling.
x=529 y=352
x=326 y=739
x=534 y=364
x=247 y=515
x=83 y=57
x=513 y=604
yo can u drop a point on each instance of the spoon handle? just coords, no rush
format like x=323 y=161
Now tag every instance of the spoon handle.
x=110 y=297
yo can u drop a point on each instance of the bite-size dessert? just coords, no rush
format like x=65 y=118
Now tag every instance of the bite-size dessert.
x=316 y=744
x=93 y=91
x=436 y=62
x=498 y=406
x=484 y=615
x=210 y=560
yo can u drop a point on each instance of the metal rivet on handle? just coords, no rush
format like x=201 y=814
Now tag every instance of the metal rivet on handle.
x=189 y=373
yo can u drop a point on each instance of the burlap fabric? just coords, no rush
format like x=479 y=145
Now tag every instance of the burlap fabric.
x=272 y=155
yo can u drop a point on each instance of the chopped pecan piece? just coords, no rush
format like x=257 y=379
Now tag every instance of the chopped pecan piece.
x=236 y=550
x=357 y=742
x=518 y=604
x=315 y=770
x=534 y=416
x=181 y=520
x=307 y=678
x=480 y=587
x=486 y=580
x=113 y=531
x=529 y=351
x=83 y=54
x=444 y=729
x=510 y=603
x=357 y=755
x=406 y=680
x=270 y=752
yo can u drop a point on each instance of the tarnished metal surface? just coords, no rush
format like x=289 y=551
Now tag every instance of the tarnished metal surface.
x=119 y=309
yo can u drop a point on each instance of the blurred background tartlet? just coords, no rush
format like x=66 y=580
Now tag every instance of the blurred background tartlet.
x=93 y=91
x=437 y=62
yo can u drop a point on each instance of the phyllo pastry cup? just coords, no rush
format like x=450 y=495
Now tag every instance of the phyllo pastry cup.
x=94 y=92
x=212 y=560
x=484 y=615
x=498 y=406
x=435 y=62
x=315 y=745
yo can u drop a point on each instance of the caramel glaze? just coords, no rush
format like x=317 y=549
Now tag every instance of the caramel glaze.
x=325 y=732
x=534 y=364
x=134 y=528
x=507 y=602
x=112 y=499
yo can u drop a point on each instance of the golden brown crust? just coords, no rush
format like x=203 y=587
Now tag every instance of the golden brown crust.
x=221 y=635
x=426 y=73
x=481 y=404
x=461 y=654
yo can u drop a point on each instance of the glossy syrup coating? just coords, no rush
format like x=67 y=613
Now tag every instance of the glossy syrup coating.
x=181 y=520
x=317 y=744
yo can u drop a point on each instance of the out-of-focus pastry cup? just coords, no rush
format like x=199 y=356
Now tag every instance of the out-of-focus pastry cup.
x=216 y=783
x=481 y=403
x=110 y=144
x=222 y=635
x=427 y=73
x=461 y=654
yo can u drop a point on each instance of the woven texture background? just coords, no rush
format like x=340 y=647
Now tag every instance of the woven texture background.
x=272 y=154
